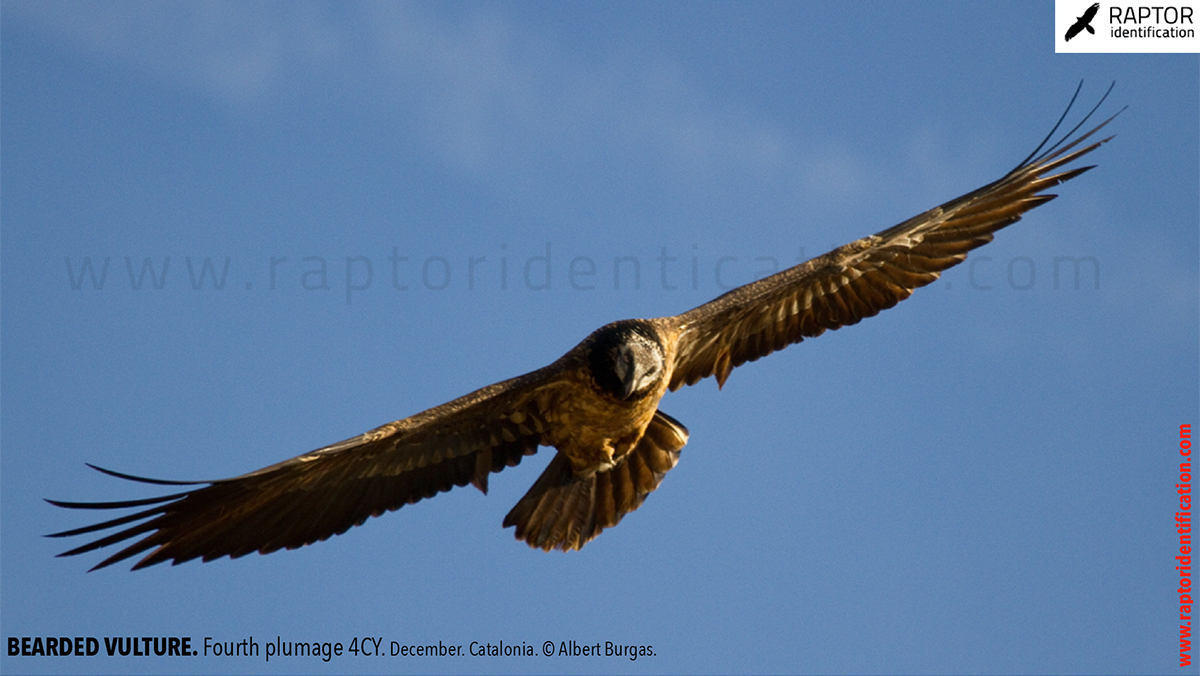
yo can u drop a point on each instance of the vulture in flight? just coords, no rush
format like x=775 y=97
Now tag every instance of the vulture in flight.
x=597 y=405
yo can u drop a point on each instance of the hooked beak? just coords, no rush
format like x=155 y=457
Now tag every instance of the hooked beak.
x=627 y=371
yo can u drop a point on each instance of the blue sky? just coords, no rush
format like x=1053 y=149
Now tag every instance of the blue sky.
x=408 y=199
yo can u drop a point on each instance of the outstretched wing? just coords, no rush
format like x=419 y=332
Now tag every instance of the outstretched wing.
x=325 y=492
x=864 y=277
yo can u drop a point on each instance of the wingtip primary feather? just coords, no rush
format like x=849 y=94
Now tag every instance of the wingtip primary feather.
x=145 y=480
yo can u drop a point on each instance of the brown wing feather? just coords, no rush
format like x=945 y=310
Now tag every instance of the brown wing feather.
x=323 y=493
x=564 y=511
x=864 y=277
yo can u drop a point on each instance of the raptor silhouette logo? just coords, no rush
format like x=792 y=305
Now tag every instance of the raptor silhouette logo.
x=1083 y=22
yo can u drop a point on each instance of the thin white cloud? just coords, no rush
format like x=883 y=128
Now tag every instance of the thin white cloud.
x=488 y=96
